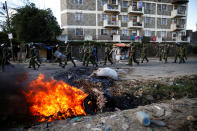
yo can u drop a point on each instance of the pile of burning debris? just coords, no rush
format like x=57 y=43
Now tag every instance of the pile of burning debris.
x=77 y=93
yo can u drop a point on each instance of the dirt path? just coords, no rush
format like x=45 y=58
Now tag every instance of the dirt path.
x=152 y=70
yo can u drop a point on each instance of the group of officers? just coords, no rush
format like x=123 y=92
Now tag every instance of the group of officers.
x=88 y=54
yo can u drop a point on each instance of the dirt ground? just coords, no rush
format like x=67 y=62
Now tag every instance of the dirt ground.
x=152 y=70
x=132 y=87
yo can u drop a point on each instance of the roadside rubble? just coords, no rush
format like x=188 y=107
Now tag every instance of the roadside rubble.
x=114 y=103
x=172 y=119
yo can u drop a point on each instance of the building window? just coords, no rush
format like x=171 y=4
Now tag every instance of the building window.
x=78 y=16
x=163 y=34
x=147 y=6
x=125 y=32
x=134 y=32
x=104 y=32
x=163 y=7
x=125 y=18
x=147 y=20
x=147 y=33
x=163 y=21
x=79 y=32
x=104 y=17
x=114 y=32
x=114 y=2
x=125 y=4
x=103 y=2
x=79 y=2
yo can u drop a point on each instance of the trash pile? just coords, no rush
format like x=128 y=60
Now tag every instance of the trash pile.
x=111 y=94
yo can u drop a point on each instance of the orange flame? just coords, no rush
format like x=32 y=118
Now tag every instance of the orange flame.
x=54 y=100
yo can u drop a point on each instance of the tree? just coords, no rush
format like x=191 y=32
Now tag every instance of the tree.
x=35 y=25
x=4 y=38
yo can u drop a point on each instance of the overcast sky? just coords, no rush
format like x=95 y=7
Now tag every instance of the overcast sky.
x=55 y=6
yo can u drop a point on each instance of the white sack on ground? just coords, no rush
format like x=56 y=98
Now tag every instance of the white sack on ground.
x=106 y=72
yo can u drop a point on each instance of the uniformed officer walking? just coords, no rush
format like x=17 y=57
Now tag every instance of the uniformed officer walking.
x=4 y=56
x=144 y=54
x=132 y=57
x=85 y=55
x=177 y=52
x=33 y=62
x=165 y=53
x=182 y=60
x=68 y=54
x=91 y=57
x=108 y=56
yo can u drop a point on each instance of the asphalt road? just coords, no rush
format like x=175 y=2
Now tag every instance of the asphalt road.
x=152 y=70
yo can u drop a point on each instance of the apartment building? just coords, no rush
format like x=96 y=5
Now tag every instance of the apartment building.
x=125 y=20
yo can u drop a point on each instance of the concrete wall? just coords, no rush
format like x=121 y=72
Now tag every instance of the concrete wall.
x=164 y=26
x=151 y=24
x=87 y=19
x=167 y=12
x=87 y=5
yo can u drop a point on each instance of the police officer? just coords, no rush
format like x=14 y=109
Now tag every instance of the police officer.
x=177 y=52
x=160 y=51
x=59 y=58
x=85 y=55
x=91 y=57
x=4 y=58
x=37 y=55
x=182 y=60
x=81 y=51
x=132 y=57
x=184 y=51
x=108 y=56
x=68 y=54
x=33 y=62
x=165 y=53
x=144 y=54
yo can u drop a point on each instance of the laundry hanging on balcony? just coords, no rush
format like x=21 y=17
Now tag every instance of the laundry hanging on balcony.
x=140 y=4
x=154 y=38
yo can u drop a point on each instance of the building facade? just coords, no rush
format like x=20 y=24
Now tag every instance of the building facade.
x=124 y=20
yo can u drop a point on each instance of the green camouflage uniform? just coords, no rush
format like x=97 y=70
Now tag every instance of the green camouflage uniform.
x=37 y=55
x=85 y=55
x=184 y=51
x=160 y=53
x=132 y=57
x=165 y=53
x=144 y=54
x=108 y=55
x=33 y=61
x=68 y=56
x=4 y=58
x=91 y=58
x=182 y=60
x=177 y=53
x=81 y=52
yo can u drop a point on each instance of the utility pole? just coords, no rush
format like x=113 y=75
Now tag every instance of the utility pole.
x=5 y=7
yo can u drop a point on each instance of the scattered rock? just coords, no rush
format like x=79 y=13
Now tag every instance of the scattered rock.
x=149 y=97
x=158 y=123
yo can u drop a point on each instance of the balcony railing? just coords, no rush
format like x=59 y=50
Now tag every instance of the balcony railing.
x=178 y=13
x=116 y=38
x=177 y=27
x=137 y=25
x=111 y=8
x=112 y=24
x=136 y=10
x=180 y=1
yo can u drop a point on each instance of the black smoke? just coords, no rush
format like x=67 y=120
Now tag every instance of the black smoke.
x=13 y=106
